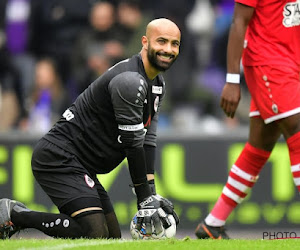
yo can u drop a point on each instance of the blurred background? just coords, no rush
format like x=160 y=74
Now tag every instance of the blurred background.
x=51 y=50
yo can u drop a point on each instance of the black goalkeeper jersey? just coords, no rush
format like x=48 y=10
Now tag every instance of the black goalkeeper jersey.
x=121 y=102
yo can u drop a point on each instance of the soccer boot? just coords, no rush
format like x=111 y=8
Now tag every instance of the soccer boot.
x=7 y=228
x=203 y=231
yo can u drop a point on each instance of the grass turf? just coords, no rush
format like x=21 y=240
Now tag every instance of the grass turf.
x=186 y=243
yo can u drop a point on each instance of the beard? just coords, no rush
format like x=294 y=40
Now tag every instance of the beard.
x=156 y=63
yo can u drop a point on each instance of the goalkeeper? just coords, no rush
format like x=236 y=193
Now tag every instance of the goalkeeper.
x=114 y=118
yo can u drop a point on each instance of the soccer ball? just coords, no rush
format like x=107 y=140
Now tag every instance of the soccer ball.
x=141 y=234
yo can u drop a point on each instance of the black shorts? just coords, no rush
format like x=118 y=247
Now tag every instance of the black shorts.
x=69 y=185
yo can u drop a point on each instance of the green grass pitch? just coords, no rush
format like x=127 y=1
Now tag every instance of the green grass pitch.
x=185 y=243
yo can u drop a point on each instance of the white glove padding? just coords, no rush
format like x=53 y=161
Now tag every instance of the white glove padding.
x=151 y=213
x=168 y=207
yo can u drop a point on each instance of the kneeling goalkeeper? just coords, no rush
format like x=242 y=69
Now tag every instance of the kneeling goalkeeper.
x=114 y=118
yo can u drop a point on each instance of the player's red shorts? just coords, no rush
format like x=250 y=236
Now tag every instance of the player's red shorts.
x=275 y=91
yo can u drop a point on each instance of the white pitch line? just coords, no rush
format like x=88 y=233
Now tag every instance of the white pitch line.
x=71 y=245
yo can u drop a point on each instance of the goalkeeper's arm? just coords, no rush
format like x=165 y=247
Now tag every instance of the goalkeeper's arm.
x=166 y=205
x=150 y=152
x=138 y=173
x=148 y=205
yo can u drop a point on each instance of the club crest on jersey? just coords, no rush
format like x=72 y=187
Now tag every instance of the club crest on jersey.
x=89 y=181
x=275 y=108
x=156 y=101
x=157 y=90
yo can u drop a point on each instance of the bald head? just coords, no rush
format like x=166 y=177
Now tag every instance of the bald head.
x=163 y=26
x=160 y=46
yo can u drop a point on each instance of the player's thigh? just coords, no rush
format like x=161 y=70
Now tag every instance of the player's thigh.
x=261 y=135
x=290 y=125
x=64 y=179
x=275 y=91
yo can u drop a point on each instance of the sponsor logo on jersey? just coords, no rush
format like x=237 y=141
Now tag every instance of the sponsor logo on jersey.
x=135 y=127
x=89 y=181
x=157 y=90
x=291 y=14
x=68 y=115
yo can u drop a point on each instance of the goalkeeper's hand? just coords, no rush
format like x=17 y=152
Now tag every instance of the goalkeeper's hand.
x=168 y=207
x=151 y=213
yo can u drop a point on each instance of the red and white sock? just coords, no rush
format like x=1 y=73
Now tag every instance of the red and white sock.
x=242 y=177
x=294 y=150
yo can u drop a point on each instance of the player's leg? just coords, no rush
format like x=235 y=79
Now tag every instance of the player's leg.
x=113 y=225
x=71 y=189
x=285 y=92
x=82 y=217
x=242 y=177
x=114 y=230
x=61 y=225
x=291 y=130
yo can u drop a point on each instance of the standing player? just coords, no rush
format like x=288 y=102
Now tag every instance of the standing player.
x=271 y=59
x=114 y=118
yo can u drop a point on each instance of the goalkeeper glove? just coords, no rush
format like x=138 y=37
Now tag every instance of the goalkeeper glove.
x=165 y=204
x=150 y=212
x=168 y=207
